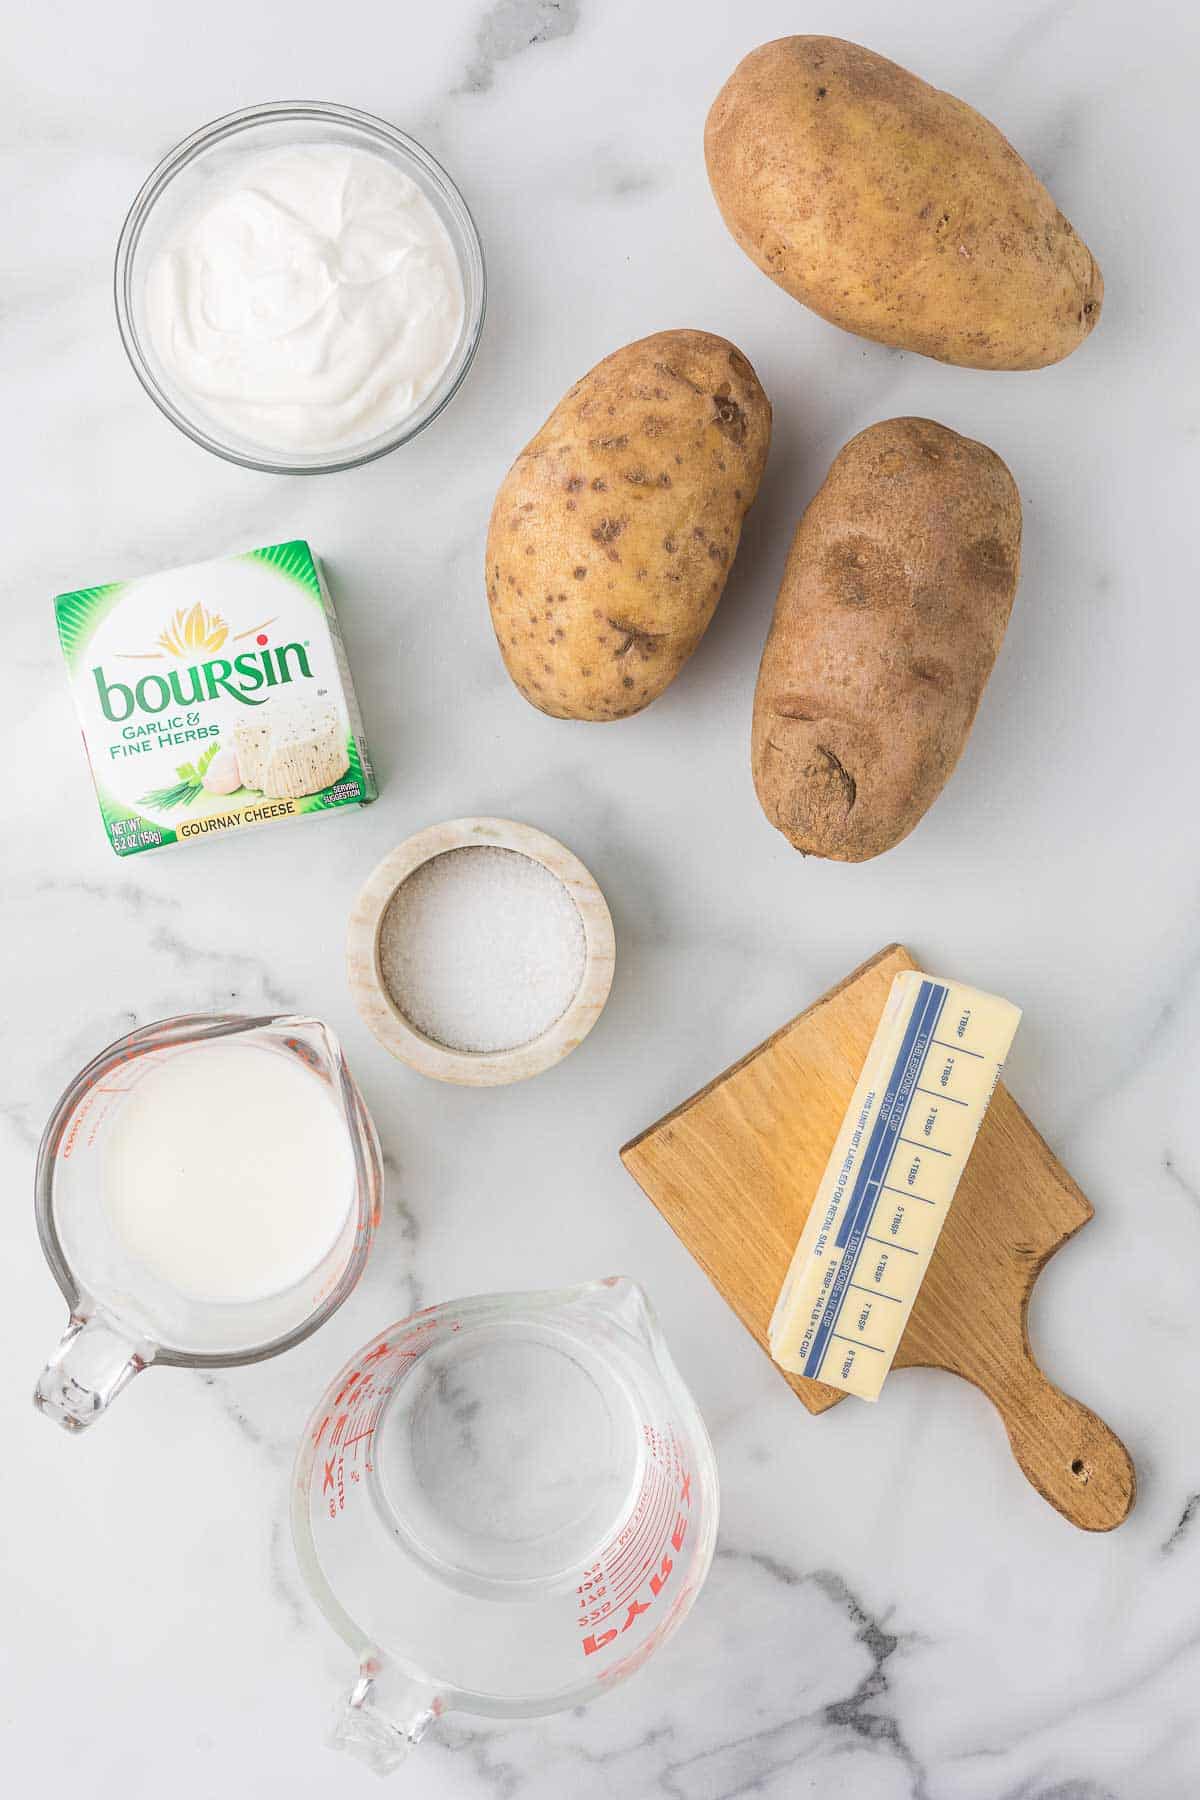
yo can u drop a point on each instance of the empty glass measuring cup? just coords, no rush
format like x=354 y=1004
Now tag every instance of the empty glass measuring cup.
x=503 y=1505
x=160 y=1260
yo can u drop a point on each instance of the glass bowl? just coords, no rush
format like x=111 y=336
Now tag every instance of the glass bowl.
x=214 y=151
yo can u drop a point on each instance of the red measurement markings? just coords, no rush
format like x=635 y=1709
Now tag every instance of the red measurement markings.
x=661 y=1479
x=664 y=1449
x=351 y=1382
x=355 y=1426
x=631 y=1530
x=632 y=1543
x=640 y=1530
x=638 y=1588
x=648 y=1548
x=635 y=1607
x=371 y=1419
x=101 y=1083
x=594 y=1615
x=638 y=1571
x=363 y=1392
x=364 y=1433
x=350 y=1431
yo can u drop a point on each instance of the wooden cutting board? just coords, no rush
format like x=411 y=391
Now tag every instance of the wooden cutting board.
x=734 y=1171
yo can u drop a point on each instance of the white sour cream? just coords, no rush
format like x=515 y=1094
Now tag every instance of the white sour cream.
x=310 y=303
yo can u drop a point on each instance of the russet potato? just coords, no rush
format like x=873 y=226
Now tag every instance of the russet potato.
x=895 y=210
x=614 y=530
x=893 y=605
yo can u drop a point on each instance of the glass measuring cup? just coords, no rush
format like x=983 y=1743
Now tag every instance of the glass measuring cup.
x=504 y=1505
x=125 y=1317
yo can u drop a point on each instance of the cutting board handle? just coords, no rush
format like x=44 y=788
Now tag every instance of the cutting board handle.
x=1068 y=1454
x=734 y=1171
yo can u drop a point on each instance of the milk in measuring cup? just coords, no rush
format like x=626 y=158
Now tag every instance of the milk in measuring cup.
x=228 y=1171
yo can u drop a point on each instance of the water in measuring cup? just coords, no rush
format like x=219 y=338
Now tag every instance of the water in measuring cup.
x=506 y=1457
x=228 y=1171
x=504 y=1504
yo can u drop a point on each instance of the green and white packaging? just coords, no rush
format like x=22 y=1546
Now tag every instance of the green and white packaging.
x=214 y=698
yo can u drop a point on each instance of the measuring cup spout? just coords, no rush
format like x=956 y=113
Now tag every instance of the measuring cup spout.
x=386 y=1716
x=94 y=1361
x=622 y=1300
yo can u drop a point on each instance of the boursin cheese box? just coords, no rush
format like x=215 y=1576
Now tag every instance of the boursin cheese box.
x=214 y=698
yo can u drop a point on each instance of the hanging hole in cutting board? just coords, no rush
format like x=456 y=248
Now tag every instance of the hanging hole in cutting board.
x=734 y=1170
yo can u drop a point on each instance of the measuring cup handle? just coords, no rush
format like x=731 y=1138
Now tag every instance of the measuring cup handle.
x=92 y=1364
x=385 y=1717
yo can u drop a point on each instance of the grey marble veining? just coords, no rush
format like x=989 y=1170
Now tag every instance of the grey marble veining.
x=892 y=1614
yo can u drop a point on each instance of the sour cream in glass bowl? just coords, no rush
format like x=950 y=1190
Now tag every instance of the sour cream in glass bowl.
x=300 y=287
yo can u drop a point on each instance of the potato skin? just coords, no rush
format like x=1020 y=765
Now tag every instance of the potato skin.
x=613 y=532
x=895 y=210
x=893 y=605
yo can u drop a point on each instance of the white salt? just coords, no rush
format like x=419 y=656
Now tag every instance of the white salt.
x=482 y=949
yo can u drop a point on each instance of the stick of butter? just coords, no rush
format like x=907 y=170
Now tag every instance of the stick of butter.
x=884 y=1196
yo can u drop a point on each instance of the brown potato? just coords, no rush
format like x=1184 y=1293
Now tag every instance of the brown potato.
x=893 y=605
x=894 y=210
x=613 y=532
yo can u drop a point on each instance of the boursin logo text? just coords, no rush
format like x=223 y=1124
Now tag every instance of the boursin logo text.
x=188 y=635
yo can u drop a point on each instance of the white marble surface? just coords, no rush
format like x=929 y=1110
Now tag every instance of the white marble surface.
x=893 y=1614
